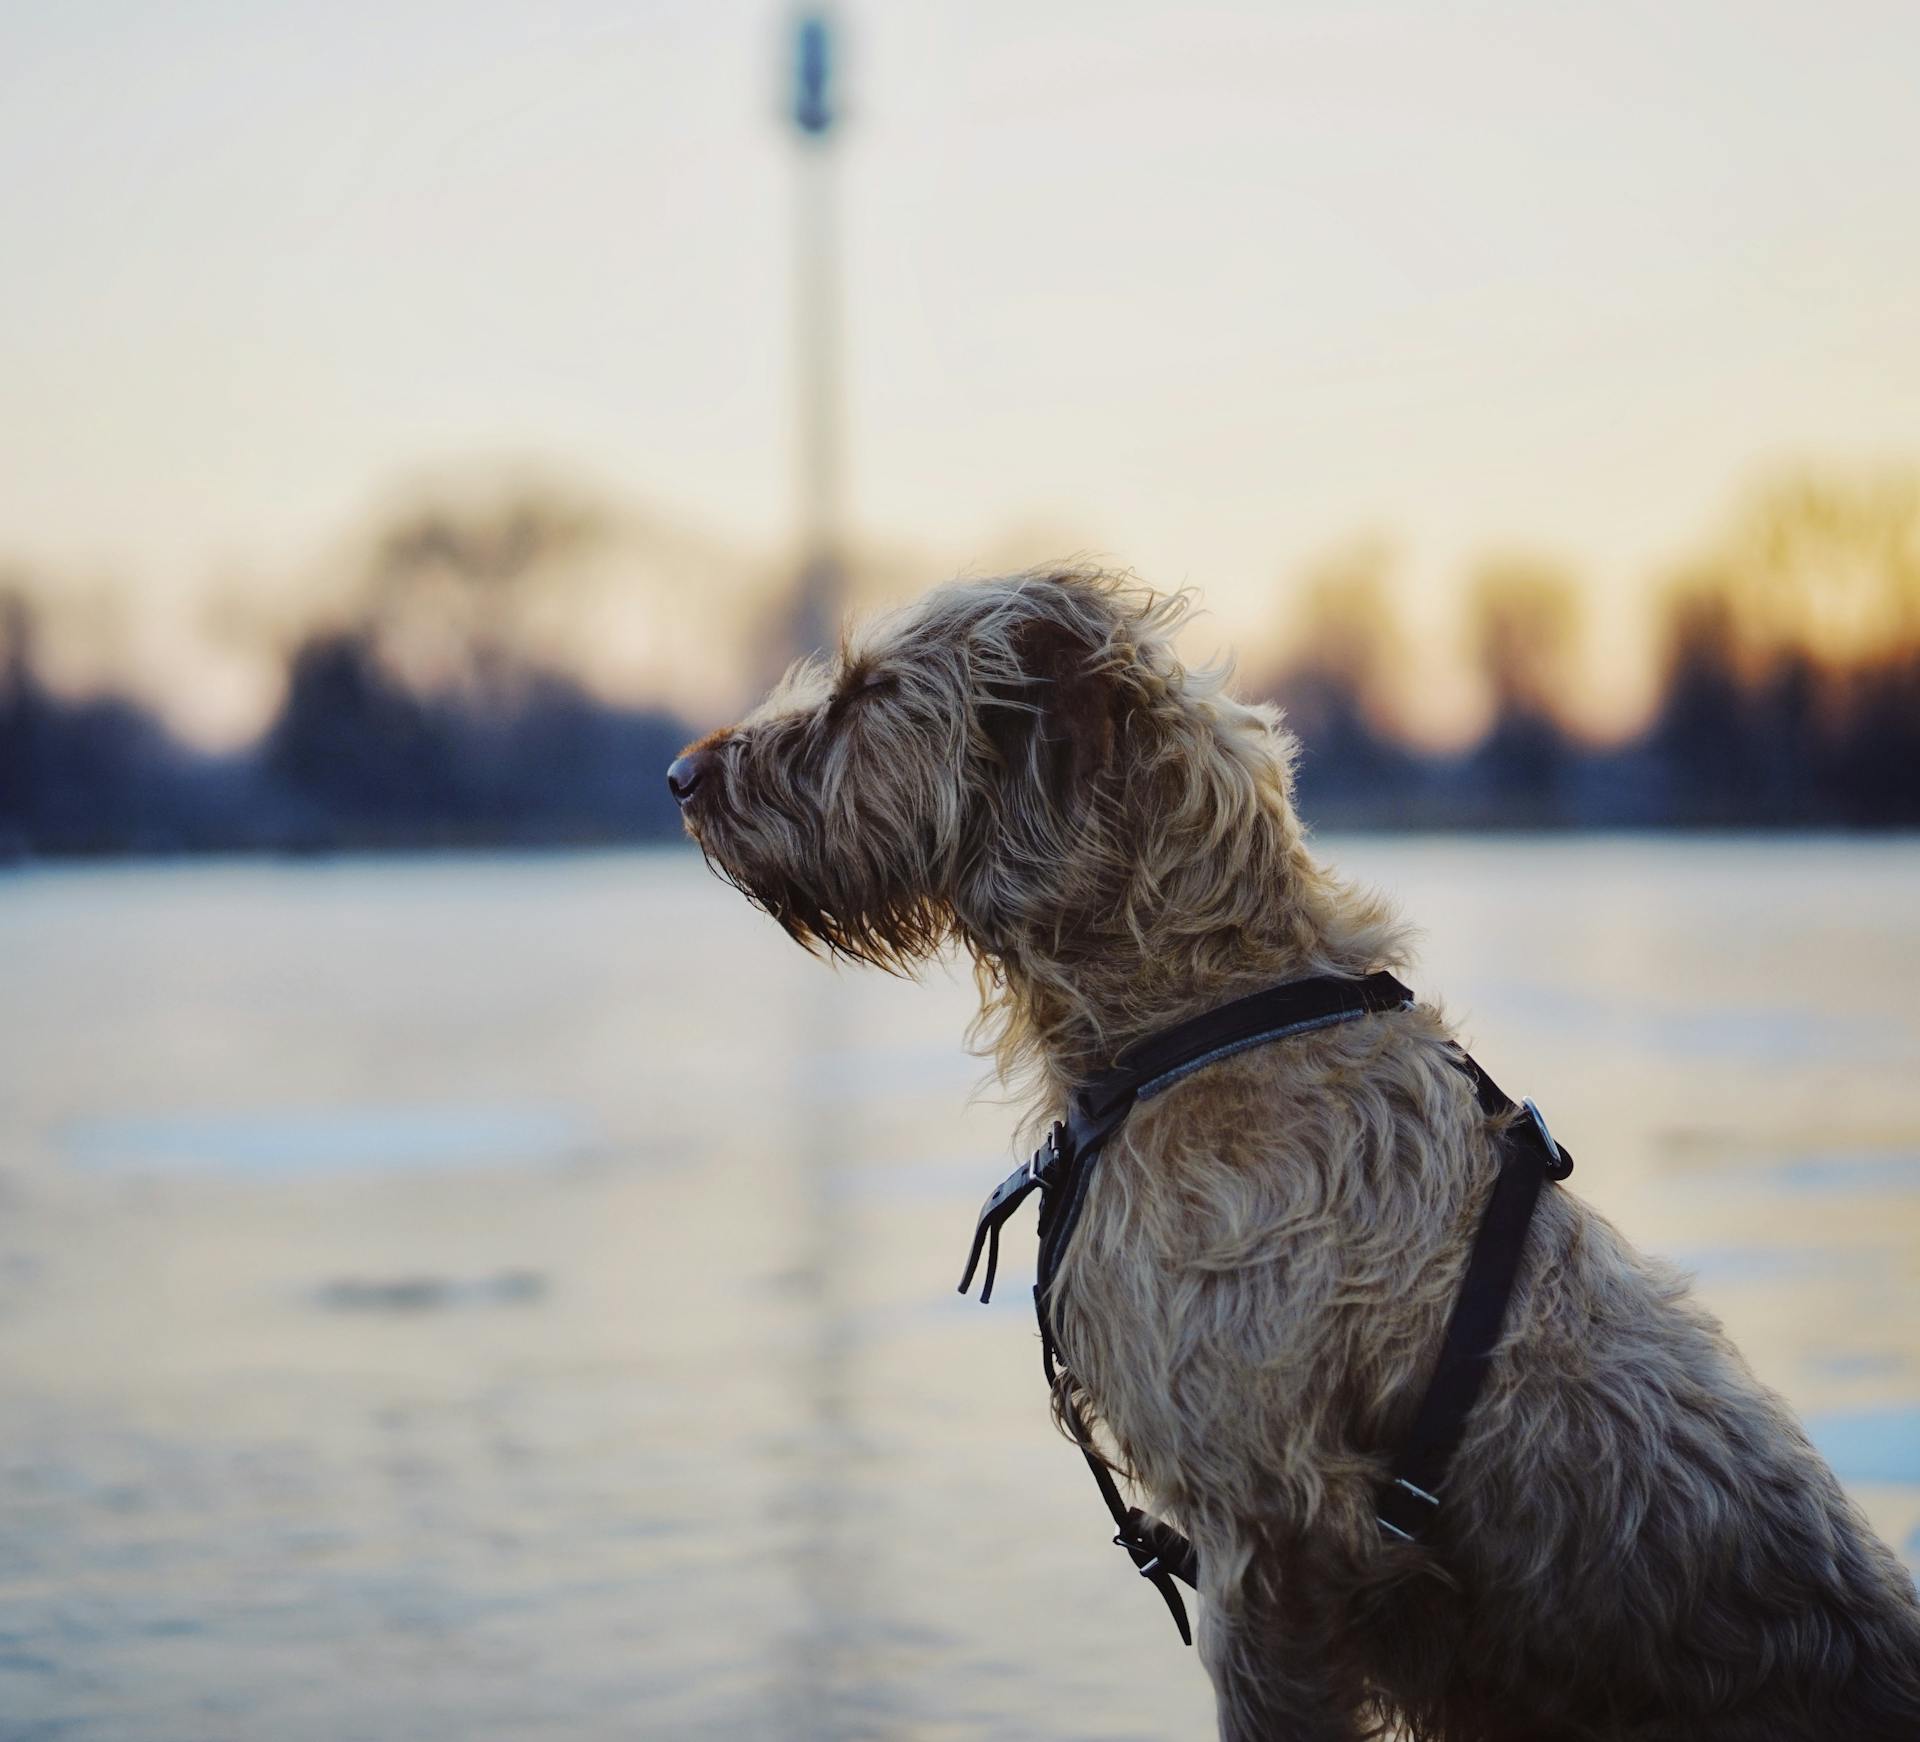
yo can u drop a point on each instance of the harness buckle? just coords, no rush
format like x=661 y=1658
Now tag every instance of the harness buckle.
x=1150 y=1562
x=1031 y=1176
x=1147 y=1568
x=1387 y=1497
x=1559 y=1163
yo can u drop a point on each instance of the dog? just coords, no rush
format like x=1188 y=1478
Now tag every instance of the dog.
x=1637 y=1540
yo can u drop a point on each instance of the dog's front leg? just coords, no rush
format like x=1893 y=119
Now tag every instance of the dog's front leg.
x=1274 y=1682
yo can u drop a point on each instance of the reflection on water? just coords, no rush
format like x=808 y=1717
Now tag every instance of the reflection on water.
x=328 y=1139
x=415 y=1294
x=515 y=1297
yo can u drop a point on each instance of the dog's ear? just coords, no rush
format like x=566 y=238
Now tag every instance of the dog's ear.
x=1056 y=718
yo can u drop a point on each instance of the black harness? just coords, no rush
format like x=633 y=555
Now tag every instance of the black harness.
x=1062 y=1168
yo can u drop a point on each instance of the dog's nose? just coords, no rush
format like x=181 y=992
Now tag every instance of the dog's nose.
x=686 y=772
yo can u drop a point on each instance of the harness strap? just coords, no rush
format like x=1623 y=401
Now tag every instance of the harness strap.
x=1410 y=1496
x=1160 y=1060
x=1061 y=1170
x=1160 y=1554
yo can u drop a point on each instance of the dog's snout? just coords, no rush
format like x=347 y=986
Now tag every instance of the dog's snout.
x=685 y=774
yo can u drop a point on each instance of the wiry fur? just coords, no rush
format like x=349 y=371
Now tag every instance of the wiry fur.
x=1637 y=1540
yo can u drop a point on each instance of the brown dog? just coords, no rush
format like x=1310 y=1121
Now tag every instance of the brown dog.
x=1636 y=1542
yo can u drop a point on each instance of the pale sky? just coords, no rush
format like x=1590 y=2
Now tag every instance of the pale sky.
x=1211 y=289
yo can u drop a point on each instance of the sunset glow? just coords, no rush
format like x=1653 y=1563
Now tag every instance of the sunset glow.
x=1214 y=294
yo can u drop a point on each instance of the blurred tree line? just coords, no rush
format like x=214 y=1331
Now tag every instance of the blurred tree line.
x=419 y=718
x=1789 y=696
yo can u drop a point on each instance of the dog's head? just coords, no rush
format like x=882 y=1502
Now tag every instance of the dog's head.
x=1001 y=760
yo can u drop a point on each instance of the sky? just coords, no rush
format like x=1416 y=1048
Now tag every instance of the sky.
x=1212 y=290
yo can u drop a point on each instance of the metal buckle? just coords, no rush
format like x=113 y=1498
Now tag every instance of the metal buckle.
x=1135 y=1549
x=1558 y=1166
x=1418 y=1493
x=1007 y=1197
x=1054 y=1147
x=1161 y=1579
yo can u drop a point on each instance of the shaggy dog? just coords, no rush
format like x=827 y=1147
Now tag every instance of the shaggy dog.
x=1637 y=1540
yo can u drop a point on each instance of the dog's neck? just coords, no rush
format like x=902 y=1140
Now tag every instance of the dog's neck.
x=1068 y=1012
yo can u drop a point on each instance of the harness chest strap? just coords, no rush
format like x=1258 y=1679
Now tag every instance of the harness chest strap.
x=1063 y=1166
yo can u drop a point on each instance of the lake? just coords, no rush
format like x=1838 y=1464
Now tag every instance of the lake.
x=514 y=1297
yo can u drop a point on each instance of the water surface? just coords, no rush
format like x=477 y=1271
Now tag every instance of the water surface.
x=514 y=1297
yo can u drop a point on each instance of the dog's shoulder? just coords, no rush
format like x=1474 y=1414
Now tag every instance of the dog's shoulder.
x=1385 y=1084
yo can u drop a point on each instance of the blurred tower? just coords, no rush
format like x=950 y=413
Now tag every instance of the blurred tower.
x=819 y=600
x=819 y=1659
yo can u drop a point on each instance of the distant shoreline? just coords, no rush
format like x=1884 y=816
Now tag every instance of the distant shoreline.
x=375 y=850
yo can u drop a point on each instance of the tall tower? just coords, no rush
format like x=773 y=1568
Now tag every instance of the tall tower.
x=814 y=1668
x=817 y=336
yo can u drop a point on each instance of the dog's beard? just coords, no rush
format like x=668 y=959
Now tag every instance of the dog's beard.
x=845 y=915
